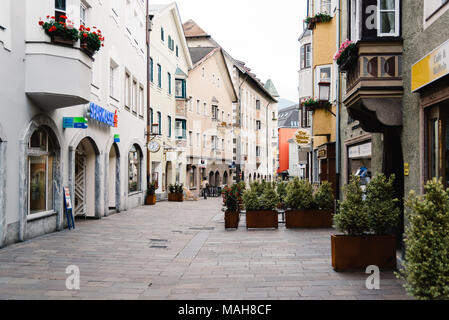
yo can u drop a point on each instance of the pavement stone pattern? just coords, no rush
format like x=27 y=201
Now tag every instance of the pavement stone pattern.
x=181 y=251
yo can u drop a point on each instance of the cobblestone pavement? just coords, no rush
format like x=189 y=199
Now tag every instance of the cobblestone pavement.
x=181 y=251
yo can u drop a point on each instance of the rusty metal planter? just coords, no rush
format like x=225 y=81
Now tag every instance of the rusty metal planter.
x=150 y=200
x=359 y=252
x=232 y=219
x=267 y=219
x=175 y=197
x=308 y=218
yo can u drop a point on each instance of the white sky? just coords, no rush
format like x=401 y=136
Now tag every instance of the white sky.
x=262 y=33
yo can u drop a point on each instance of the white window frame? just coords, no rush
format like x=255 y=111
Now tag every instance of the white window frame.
x=317 y=80
x=355 y=20
x=397 y=11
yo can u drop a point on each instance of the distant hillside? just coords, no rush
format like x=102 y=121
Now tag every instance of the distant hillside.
x=284 y=103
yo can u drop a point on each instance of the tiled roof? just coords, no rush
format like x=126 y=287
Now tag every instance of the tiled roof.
x=191 y=29
x=198 y=53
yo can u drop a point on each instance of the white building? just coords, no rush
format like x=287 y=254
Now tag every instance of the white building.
x=45 y=82
x=169 y=64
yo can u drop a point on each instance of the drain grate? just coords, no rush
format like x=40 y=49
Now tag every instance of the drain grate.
x=202 y=229
x=158 y=244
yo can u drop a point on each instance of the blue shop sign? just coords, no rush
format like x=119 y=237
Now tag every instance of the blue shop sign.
x=95 y=112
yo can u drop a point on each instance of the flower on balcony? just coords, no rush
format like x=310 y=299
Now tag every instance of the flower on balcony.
x=91 y=40
x=346 y=54
x=63 y=29
x=313 y=104
x=317 y=18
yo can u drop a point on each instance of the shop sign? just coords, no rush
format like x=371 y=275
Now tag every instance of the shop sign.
x=117 y=138
x=406 y=169
x=303 y=138
x=322 y=153
x=171 y=156
x=203 y=164
x=431 y=68
x=360 y=151
x=95 y=112
x=74 y=123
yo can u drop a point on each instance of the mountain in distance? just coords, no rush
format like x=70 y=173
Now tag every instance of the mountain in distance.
x=285 y=103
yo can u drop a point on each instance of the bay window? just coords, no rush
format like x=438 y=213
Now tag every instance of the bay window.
x=388 y=17
x=181 y=126
x=306 y=52
x=180 y=88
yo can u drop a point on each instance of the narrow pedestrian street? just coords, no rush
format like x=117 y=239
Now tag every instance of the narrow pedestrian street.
x=182 y=251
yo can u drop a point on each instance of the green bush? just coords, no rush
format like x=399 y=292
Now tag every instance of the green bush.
x=352 y=218
x=324 y=197
x=382 y=209
x=426 y=263
x=251 y=200
x=232 y=196
x=281 y=190
x=176 y=188
x=152 y=189
x=299 y=195
x=269 y=199
x=258 y=187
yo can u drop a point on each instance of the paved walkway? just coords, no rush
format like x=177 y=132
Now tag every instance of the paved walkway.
x=181 y=251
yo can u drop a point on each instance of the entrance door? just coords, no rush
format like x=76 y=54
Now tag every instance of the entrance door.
x=80 y=183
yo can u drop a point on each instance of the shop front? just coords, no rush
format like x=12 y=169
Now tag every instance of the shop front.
x=359 y=161
x=430 y=78
x=326 y=164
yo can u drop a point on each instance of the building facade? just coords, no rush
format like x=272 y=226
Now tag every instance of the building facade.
x=169 y=65
x=78 y=119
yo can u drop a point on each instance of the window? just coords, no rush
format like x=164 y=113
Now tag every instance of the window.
x=323 y=74
x=151 y=119
x=135 y=99
x=83 y=14
x=181 y=126
x=162 y=34
x=214 y=112
x=41 y=174
x=151 y=70
x=171 y=43
x=306 y=51
x=257 y=104
x=113 y=79
x=325 y=6
x=177 y=51
x=127 y=91
x=159 y=76
x=60 y=9
x=180 y=88
x=203 y=72
x=190 y=138
x=169 y=82
x=159 y=121
x=198 y=140
x=134 y=174
x=222 y=144
x=205 y=109
x=169 y=126
x=193 y=178
x=258 y=125
x=388 y=17
x=142 y=101
x=204 y=141
x=257 y=151
x=214 y=140
x=198 y=106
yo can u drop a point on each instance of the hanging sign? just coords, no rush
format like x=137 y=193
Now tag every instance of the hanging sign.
x=302 y=138
x=95 y=112
x=74 y=123
x=117 y=138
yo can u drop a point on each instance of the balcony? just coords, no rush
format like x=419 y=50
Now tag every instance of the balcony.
x=57 y=76
x=374 y=85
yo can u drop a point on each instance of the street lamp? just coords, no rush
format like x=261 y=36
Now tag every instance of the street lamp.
x=324 y=91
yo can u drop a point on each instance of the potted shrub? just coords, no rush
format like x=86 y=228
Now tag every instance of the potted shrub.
x=150 y=200
x=60 y=31
x=176 y=193
x=312 y=104
x=346 y=56
x=242 y=188
x=231 y=202
x=427 y=241
x=91 y=41
x=365 y=224
x=281 y=189
x=260 y=210
x=302 y=211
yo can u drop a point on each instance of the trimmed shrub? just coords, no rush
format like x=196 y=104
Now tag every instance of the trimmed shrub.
x=299 y=195
x=324 y=197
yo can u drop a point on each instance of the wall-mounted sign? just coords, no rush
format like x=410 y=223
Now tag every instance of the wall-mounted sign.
x=303 y=138
x=322 y=153
x=171 y=156
x=406 y=169
x=360 y=151
x=95 y=112
x=117 y=138
x=74 y=123
x=431 y=68
x=203 y=164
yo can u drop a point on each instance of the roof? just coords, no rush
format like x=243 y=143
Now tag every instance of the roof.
x=193 y=30
x=269 y=85
x=157 y=8
x=289 y=117
x=198 y=53
x=179 y=72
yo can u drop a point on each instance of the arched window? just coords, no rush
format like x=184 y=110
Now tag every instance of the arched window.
x=41 y=160
x=135 y=169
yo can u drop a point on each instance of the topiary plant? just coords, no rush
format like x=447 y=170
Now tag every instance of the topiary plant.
x=269 y=199
x=251 y=200
x=427 y=241
x=324 y=197
x=352 y=218
x=281 y=190
x=258 y=187
x=299 y=195
x=381 y=207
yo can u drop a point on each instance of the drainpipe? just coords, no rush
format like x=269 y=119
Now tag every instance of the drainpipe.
x=268 y=153
x=239 y=140
x=337 y=142
x=149 y=124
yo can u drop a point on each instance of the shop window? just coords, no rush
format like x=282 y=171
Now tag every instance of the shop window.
x=41 y=157
x=193 y=173
x=135 y=166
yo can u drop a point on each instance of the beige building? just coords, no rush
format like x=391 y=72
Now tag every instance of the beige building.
x=254 y=114
x=169 y=66
x=209 y=110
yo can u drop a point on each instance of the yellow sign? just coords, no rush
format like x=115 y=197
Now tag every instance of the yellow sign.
x=406 y=169
x=302 y=138
x=432 y=67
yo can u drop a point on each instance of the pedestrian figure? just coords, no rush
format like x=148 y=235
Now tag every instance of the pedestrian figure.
x=205 y=186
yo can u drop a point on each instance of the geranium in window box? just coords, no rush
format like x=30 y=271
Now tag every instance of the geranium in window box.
x=62 y=31
x=312 y=104
x=318 y=18
x=91 y=39
x=346 y=56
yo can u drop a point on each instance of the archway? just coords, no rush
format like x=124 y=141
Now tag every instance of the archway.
x=168 y=174
x=113 y=180
x=217 y=179
x=87 y=180
x=225 y=178
x=212 y=179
